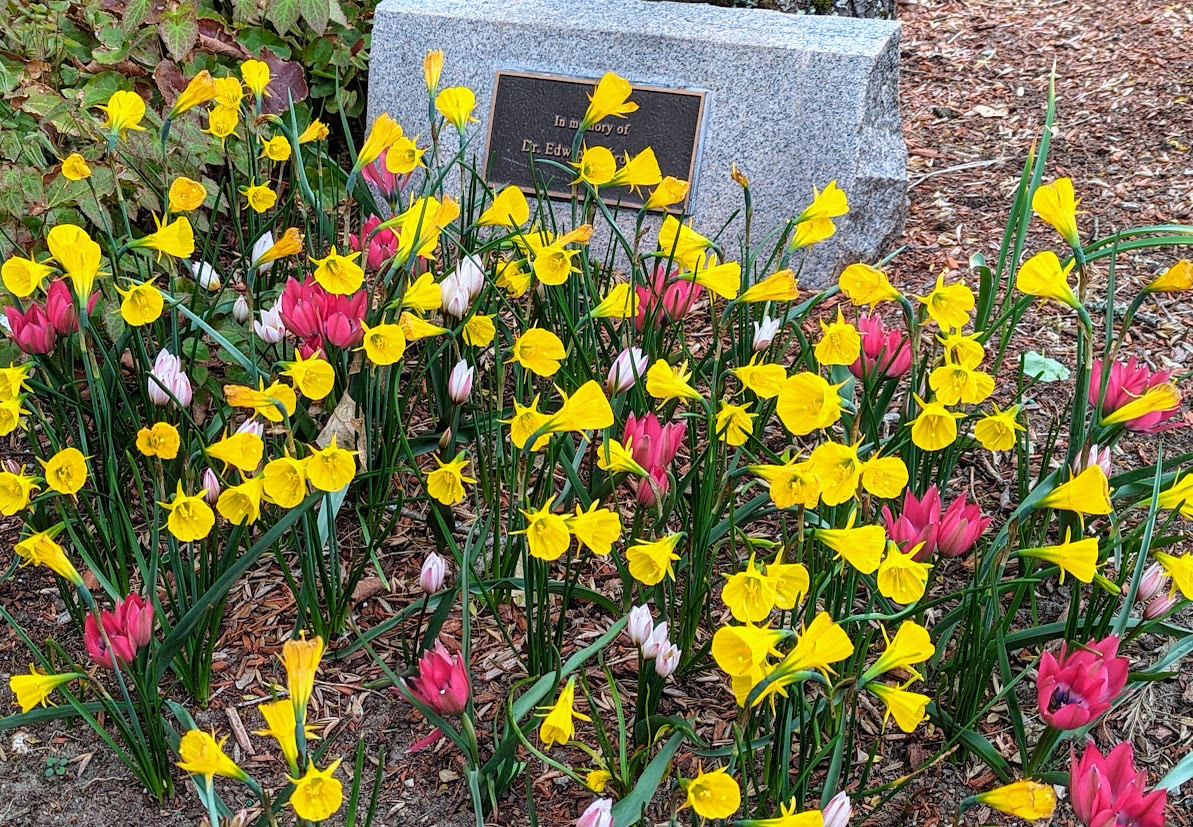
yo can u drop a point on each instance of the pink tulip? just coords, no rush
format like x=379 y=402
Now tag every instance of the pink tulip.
x=1093 y=455
x=1077 y=688
x=441 y=684
x=459 y=382
x=627 y=368
x=666 y=299
x=598 y=814
x=640 y=625
x=302 y=307
x=1153 y=582
x=167 y=381
x=342 y=316
x=1161 y=606
x=667 y=660
x=1129 y=380
x=885 y=353
x=960 y=527
x=381 y=247
x=434 y=572
x=309 y=348
x=1107 y=790
x=60 y=307
x=838 y=810
x=386 y=182
x=31 y=331
x=308 y=311
x=654 y=447
x=920 y=522
x=128 y=628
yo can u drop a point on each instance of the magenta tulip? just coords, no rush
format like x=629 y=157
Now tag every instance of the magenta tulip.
x=654 y=447
x=31 y=331
x=380 y=248
x=128 y=628
x=884 y=353
x=386 y=182
x=1108 y=791
x=1127 y=381
x=1079 y=686
x=960 y=527
x=666 y=299
x=441 y=684
x=919 y=523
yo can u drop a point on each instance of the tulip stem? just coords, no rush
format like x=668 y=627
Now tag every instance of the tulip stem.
x=1043 y=750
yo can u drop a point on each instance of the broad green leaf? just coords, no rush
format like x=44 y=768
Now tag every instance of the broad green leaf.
x=337 y=13
x=1178 y=775
x=629 y=810
x=1044 y=368
x=134 y=14
x=316 y=13
x=100 y=87
x=283 y=14
x=179 y=30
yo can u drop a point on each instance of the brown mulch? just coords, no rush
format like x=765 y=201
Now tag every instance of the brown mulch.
x=974 y=82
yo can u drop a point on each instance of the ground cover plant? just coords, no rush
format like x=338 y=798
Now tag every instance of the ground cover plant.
x=597 y=410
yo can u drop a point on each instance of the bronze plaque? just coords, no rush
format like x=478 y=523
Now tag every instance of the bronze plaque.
x=538 y=115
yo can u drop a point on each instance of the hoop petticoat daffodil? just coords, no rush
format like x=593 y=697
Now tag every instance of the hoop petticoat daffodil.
x=1056 y=206
x=609 y=99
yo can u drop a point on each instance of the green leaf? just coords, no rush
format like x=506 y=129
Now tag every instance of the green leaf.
x=179 y=30
x=100 y=87
x=1178 y=775
x=134 y=14
x=337 y=13
x=1041 y=367
x=283 y=14
x=316 y=13
x=629 y=810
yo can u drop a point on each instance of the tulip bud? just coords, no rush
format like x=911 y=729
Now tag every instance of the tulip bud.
x=657 y=642
x=12 y=466
x=211 y=486
x=455 y=296
x=598 y=814
x=240 y=310
x=269 y=328
x=433 y=573
x=764 y=333
x=471 y=275
x=640 y=625
x=166 y=378
x=459 y=383
x=252 y=426
x=667 y=661
x=260 y=247
x=205 y=274
x=838 y=810
x=1093 y=455
x=630 y=364
x=1153 y=582
x=1160 y=606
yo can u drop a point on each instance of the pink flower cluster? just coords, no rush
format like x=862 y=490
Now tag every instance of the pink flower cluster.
x=128 y=628
x=1079 y=686
x=1108 y=791
x=378 y=249
x=885 y=353
x=666 y=299
x=442 y=684
x=1125 y=382
x=36 y=330
x=315 y=316
x=949 y=532
x=387 y=183
x=654 y=447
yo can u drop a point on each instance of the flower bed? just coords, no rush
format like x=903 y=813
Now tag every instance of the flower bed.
x=658 y=433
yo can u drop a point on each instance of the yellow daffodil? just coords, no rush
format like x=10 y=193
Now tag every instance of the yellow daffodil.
x=812 y=231
x=765 y=381
x=611 y=98
x=79 y=256
x=831 y=203
x=16 y=489
x=22 y=276
x=840 y=343
x=642 y=170
x=787 y=817
x=909 y=709
x=382 y=136
x=12 y=381
x=1180 y=569
x=229 y=92
x=595 y=167
x=957 y=385
x=552 y=265
x=74 y=168
x=34 y=689
x=285 y=480
x=314 y=377
x=1156 y=399
x=317 y=795
x=259 y=196
x=779 y=286
x=791 y=484
x=911 y=645
x=651 y=562
x=664 y=382
x=125 y=111
x=547 y=535
x=66 y=471
x=620 y=303
x=1055 y=204
x=420 y=226
x=289 y=244
x=587 y=409
x=739 y=650
x=514 y=279
x=200 y=90
x=191 y=518
x=996 y=431
x=866 y=286
x=274 y=403
x=175 y=239
x=456 y=103
x=432 y=69
x=734 y=423
x=446 y=483
x=820 y=645
x=415 y=327
x=558 y=726
x=256 y=77
x=331 y=468
x=597 y=529
x=239 y=504
x=243 y=451
x=884 y=477
x=1042 y=275
x=750 y=594
x=222 y=122
x=186 y=194
x=479 y=330
x=949 y=305
x=424 y=294
x=1076 y=557
x=963 y=349
x=404 y=156
x=838 y=470
x=40 y=549
x=281 y=725
x=339 y=274
x=509 y=209
x=316 y=131
x=712 y=795
x=1029 y=800
x=1086 y=493
x=791 y=581
x=202 y=755
x=669 y=192
x=616 y=458
x=1179 y=494
x=861 y=547
x=1176 y=279
x=538 y=351
x=11 y=411
x=681 y=244
x=301 y=657
x=936 y=426
x=141 y=304
x=900 y=577
x=161 y=441
x=276 y=149
x=598 y=780
x=527 y=420
x=383 y=344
